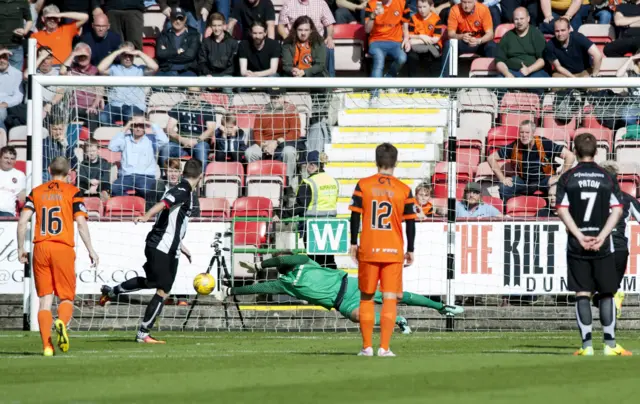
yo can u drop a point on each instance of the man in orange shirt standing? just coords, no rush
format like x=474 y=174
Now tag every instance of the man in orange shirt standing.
x=383 y=202
x=425 y=32
x=56 y=36
x=56 y=205
x=387 y=23
x=471 y=24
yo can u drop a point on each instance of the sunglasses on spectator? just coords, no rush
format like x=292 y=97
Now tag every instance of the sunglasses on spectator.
x=180 y=18
x=56 y=19
x=139 y=125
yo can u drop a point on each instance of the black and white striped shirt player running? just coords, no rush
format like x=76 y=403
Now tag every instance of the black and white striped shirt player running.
x=590 y=205
x=162 y=249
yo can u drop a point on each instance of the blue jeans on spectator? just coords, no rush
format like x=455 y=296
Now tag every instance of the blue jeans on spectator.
x=17 y=57
x=171 y=73
x=631 y=115
x=3 y=116
x=141 y=184
x=488 y=50
x=522 y=188
x=576 y=22
x=331 y=62
x=173 y=149
x=113 y=114
x=223 y=7
x=379 y=51
x=7 y=214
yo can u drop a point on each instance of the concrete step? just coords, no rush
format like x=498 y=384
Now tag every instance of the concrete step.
x=367 y=152
x=395 y=100
x=347 y=186
x=396 y=135
x=394 y=117
x=349 y=170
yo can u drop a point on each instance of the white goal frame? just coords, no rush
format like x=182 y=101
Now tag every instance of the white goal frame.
x=37 y=83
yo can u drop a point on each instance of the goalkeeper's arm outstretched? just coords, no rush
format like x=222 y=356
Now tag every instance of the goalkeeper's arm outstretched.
x=302 y=278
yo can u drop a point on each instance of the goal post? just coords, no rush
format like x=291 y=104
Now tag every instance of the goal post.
x=457 y=260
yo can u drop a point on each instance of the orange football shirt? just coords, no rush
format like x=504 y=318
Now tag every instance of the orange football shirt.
x=56 y=205
x=476 y=23
x=384 y=202
x=60 y=41
x=388 y=26
x=431 y=26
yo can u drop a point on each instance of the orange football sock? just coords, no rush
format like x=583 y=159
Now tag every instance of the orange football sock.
x=65 y=311
x=45 y=321
x=387 y=321
x=367 y=319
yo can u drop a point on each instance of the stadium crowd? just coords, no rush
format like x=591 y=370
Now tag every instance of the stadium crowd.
x=254 y=38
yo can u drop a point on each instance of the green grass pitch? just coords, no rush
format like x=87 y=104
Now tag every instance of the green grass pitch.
x=222 y=367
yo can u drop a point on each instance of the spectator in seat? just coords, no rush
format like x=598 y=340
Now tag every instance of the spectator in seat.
x=218 y=52
x=12 y=182
x=571 y=53
x=16 y=23
x=126 y=19
x=425 y=32
x=533 y=158
x=88 y=7
x=552 y=10
x=276 y=135
x=86 y=103
x=304 y=52
x=10 y=88
x=259 y=56
x=521 y=50
x=631 y=68
x=387 y=23
x=46 y=66
x=138 y=165
x=550 y=209
x=596 y=10
x=100 y=39
x=423 y=195
x=320 y=13
x=248 y=12
x=470 y=22
x=230 y=141
x=177 y=48
x=472 y=205
x=196 y=11
x=350 y=11
x=94 y=172
x=191 y=126
x=508 y=7
x=627 y=19
x=57 y=145
x=59 y=38
x=125 y=101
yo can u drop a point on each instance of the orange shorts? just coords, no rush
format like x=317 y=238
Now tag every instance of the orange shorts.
x=54 y=270
x=388 y=273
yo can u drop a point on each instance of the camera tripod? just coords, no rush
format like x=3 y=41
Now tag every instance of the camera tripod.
x=222 y=275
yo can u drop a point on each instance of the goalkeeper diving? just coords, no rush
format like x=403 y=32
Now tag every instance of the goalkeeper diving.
x=305 y=279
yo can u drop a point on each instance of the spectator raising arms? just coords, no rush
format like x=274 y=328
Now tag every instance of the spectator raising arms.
x=259 y=56
x=304 y=51
x=177 y=48
x=191 y=125
x=571 y=53
x=12 y=182
x=520 y=51
x=230 y=141
x=101 y=39
x=10 y=88
x=56 y=36
x=387 y=23
x=16 y=23
x=124 y=101
x=217 y=53
x=248 y=12
x=94 y=172
x=138 y=165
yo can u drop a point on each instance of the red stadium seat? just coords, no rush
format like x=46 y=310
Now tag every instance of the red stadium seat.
x=495 y=202
x=469 y=151
x=21 y=166
x=517 y=107
x=440 y=177
x=557 y=135
x=629 y=187
x=109 y=156
x=598 y=33
x=483 y=67
x=350 y=41
x=252 y=206
x=629 y=177
x=246 y=121
x=525 y=206
x=500 y=136
x=548 y=117
x=267 y=178
x=94 y=206
x=604 y=137
x=214 y=207
x=125 y=206
x=501 y=30
x=224 y=180
x=251 y=232
x=217 y=99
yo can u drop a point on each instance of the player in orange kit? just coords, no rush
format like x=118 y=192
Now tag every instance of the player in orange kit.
x=384 y=202
x=56 y=205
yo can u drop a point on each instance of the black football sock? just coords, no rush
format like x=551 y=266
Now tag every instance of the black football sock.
x=131 y=285
x=608 y=320
x=154 y=308
x=585 y=320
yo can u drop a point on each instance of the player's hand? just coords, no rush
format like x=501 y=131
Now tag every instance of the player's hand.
x=353 y=252
x=250 y=267
x=184 y=250
x=95 y=260
x=586 y=242
x=23 y=256
x=408 y=259
x=140 y=219
x=597 y=242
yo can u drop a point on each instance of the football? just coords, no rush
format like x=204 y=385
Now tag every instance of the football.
x=204 y=283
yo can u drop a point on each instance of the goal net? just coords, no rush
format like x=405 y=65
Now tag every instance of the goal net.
x=500 y=255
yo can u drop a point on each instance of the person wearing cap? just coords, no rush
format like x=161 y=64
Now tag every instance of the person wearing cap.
x=317 y=196
x=472 y=204
x=177 y=48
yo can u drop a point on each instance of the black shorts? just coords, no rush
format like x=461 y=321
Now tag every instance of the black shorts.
x=161 y=269
x=622 y=256
x=592 y=275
